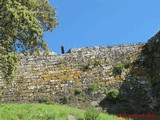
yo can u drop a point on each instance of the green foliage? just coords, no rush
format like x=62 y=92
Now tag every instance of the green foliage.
x=21 y=29
x=93 y=86
x=135 y=58
x=88 y=65
x=91 y=63
x=113 y=94
x=8 y=67
x=92 y=114
x=46 y=116
x=63 y=100
x=45 y=112
x=43 y=100
x=127 y=64
x=78 y=91
x=118 y=67
x=104 y=90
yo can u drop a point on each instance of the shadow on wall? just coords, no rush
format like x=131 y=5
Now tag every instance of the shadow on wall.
x=140 y=91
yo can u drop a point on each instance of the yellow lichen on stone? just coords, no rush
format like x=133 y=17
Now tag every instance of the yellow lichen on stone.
x=117 y=77
x=76 y=73
x=139 y=51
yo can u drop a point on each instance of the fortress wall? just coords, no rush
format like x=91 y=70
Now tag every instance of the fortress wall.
x=55 y=76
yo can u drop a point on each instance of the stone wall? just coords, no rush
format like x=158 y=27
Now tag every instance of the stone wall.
x=85 y=76
x=69 y=77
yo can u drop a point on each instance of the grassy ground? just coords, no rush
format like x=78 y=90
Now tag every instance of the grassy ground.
x=44 y=112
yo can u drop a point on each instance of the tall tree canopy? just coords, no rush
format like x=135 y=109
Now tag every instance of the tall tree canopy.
x=22 y=23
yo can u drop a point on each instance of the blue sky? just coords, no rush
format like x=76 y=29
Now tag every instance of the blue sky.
x=103 y=22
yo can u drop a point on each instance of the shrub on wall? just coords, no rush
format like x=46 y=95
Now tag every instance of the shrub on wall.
x=127 y=64
x=104 y=90
x=93 y=86
x=78 y=91
x=113 y=94
x=63 y=100
x=118 y=68
x=43 y=99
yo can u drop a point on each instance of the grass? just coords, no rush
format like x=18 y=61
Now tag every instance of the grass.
x=45 y=112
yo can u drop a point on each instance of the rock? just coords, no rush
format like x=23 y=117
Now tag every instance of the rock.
x=71 y=117
x=31 y=87
x=52 y=53
x=94 y=104
x=143 y=82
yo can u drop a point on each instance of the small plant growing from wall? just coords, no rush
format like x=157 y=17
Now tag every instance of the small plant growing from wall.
x=113 y=94
x=88 y=65
x=93 y=86
x=63 y=100
x=104 y=90
x=91 y=63
x=118 y=68
x=127 y=64
x=78 y=91
x=43 y=99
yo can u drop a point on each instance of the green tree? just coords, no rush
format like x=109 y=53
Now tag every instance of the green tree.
x=22 y=23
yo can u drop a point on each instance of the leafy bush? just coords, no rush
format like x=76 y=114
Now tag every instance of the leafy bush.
x=127 y=64
x=93 y=86
x=78 y=91
x=104 y=90
x=113 y=94
x=118 y=67
x=63 y=100
x=91 y=114
x=43 y=99
x=87 y=65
